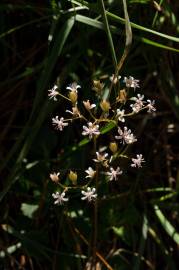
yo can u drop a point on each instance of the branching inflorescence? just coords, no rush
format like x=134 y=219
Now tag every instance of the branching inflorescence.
x=94 y=118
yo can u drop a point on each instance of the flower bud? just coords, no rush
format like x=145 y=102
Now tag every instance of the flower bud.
x=122 y=96
x=105 y=105
x=73 y=177
x=73 y=96
x=113 y=147
x=97 y=86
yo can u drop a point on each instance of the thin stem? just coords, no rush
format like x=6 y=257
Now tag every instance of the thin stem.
x=108 y=32
x=64 y=96
x=95 y=224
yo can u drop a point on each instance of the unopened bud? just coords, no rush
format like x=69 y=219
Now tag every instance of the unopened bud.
x=122 y=97
x=73 y=177
x=105 y=105
x=97 y=86
x=113 y=147
x=73 y=96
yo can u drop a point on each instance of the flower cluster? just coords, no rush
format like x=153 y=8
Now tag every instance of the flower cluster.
x=94 y=118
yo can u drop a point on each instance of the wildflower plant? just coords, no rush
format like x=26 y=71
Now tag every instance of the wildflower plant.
x=108 y=115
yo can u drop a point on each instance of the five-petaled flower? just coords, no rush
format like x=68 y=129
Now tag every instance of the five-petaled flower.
x=90 y=173
x=150 y=106
x=101 y=158
x=131 y=82
x=59 y=123
x=89 y=195
x=126 y=136
x=59 y=198
x=137 y=162
x=53 y=93
x=113 y=174
x=139 y=103
x=91 y=130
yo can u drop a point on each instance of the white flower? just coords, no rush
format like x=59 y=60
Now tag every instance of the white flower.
x=59 y=198
x=131 y=82
x=54 y=177
x=89 y=195
x=120 y=115
x=113 y=174
x=88 y=105
x=114 y=79
x=139 y=103
x=59 y=124
x=137 y=162
x=150 y=106
x=73 y=87
x=126 y=136
x=74 y=112
x=90 y=173
x=91 y=130
x=100 y=157
x=53 y=93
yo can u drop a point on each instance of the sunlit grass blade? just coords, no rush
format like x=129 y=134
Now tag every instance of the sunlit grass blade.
x=170 y=230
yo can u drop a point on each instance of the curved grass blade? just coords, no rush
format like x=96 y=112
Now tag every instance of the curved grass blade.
x=99 y=25
x=133 y=25
x=142 y=28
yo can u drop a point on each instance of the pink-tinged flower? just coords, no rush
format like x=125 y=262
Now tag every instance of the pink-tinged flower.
x=90 y=173
x=126 y=136
x=54 y=177
x=101 y=158
x=73 y=87
x=139 y=103
x=113 y=174
x=59 y=124
x=88 y=105
x=131 y=82
x=91 y=130
x=150 y=106
x=53 y=93
x=59 y=198
x=137 y=162
x=89 y=195
x=120 y=115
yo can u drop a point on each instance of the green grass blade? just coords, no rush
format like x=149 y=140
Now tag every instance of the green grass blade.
x=142 y=28
x=122 y=20
x=170 y=230
x=24 y=147
x=128 y=42
x=99 y=25
x=108 y=32
x=59 y=42
x=142 y=243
